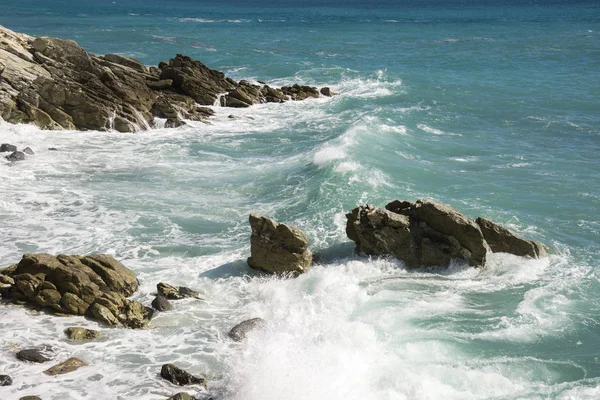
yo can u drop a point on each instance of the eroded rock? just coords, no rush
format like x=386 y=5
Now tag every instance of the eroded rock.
x=277 y=248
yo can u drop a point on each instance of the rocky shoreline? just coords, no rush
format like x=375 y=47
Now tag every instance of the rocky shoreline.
x=55 y=84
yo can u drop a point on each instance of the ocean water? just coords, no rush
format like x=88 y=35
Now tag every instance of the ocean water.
x=490 y=106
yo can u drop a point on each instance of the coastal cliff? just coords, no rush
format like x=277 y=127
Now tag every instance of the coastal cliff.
x=55 y=84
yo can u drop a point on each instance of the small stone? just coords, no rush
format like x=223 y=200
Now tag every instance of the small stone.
x=52 y=149
x=179 y=377
x=5 y=380
x=231 y=116
x=74 y=333
x=38 y=354
x=16 y=156
x=239 y=332
x=160 y=303
x=27 y=150
x=173 y=293
x=5 y=147
x=70 y=365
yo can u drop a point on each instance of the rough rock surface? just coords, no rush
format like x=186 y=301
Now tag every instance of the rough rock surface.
x=79 y=334
x=30 y=398
x=239 y=332
x=179 y=377
x=430 y=233
x=95 y=285
x=277 y=248
x=64 y=367
x=5 y=380
x=176 y=293
x=56 y=84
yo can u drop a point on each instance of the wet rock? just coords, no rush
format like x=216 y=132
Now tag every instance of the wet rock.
x=30 y=398
x=179 y=377
x=65 y=367
x=326 y=92
x=160 y=303
x=181 y=396
x=239 y=332
x=80 y=334
x=176 y=293
x=16 y=156
x=52 y=149
x=5 y=380
x=36 y=354
x=277 y=248
x=5 y=147
x=501 y=240
x=28 y=151
x=94 y=285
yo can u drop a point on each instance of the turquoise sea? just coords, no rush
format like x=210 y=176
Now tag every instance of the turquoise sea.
x=490 y=106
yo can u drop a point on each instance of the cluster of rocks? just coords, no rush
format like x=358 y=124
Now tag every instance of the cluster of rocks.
x=15 y=155
x=424 y=233
x=55 y=84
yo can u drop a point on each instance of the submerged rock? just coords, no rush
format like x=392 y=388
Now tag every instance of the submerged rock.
x=431 y=233
x=81 y=334
x=36 y=354
x=94 y=285
x=277 y=248
x=180 y=377
x=67 y=366
x=239 y=332
x=5 y=380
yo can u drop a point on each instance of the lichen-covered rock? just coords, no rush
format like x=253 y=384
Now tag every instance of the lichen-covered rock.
x=277 y=248
x=176 y=293
x=79 y=334
x=94 y=285
x=64 y=367
x=501 y=240
x=239 y=332
x=180 y=377
x=431 y=233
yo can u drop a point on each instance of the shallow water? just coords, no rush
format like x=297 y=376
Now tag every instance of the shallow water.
x=489 y=107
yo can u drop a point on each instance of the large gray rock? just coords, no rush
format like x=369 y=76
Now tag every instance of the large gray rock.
x=277 y=248
x=95 y=285
x=431 y=233
x=501 y=240
x=241 y=330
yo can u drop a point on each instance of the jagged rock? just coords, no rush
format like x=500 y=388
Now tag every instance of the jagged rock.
x=181 y=396
x=67 y=366
x=36 y=354
x=239 y=332
x=56 y=84
x=5 y=380
x=79 y=334
x=16 y=156
x=431 y=233
x=160 y=303
x=501 y=240
x=28 y=151
x=179 y=377
x=5 y=147
x=175 y=293
x=277 y=248
x=94 y=285
x=326 y=92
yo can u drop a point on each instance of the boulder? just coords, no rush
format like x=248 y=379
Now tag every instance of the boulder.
x=28 y=151
x=180 y=377
x=80 y=334
x=160 y=303
x=501 y=240
x=326 y=92
x=5 y=147
x=176 y=293
x=95 y=285
x=5 y=380
x=16 y=156
x=277 y=248
x=36 y=354
x=239 y=332
x=67 y=366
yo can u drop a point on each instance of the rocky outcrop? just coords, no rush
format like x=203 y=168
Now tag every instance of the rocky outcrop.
x=65 y=367
x=430 y=233
x=56 y=84
x=180 y=377
x=240 y=331
x=277 y=248
x=95 y=285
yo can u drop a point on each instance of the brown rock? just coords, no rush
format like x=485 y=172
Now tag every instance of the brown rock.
x=501 y=240
x=67 y=366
